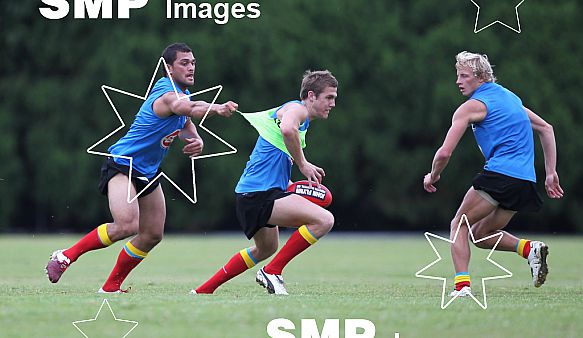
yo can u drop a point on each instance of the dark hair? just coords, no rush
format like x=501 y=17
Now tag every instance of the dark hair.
x=317 y=81
x=169 y=54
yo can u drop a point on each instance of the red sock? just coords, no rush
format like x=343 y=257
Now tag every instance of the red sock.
x=235 y=266
x=523 y=247
x=127 y=260
x=299 y=241
x=460 y=285
x=91 y=241
x=526 y=250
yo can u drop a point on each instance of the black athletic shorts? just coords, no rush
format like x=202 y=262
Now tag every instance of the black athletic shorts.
x=109 y=169
x=254 y=209
x=511 y=193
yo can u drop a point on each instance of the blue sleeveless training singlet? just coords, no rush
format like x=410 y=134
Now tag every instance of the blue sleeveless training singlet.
x=149 y=136
x=505 y=136
x=268 y=167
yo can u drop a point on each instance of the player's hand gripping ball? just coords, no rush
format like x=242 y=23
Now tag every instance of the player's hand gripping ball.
x=319 y=195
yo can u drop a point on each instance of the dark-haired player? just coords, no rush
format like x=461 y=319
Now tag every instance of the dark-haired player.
x=162 y=117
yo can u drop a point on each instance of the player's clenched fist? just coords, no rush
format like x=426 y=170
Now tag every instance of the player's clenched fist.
x=193 y=147
x=226 y=109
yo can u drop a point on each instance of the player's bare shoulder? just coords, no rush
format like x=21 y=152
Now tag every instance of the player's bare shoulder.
x=472 y=110
x=293 y=109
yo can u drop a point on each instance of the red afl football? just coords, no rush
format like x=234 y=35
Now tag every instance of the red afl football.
x=319 y=195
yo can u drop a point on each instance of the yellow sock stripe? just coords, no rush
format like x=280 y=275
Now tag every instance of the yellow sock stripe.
x=307 y=235
x=102 y=233
x=246 y=254
x=135 y=251
x=459 y=279
x=521 y=245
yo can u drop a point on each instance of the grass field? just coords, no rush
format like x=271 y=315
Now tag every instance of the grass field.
x=370 y=277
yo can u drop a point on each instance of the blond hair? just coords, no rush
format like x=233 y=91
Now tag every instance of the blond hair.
x=478 y=63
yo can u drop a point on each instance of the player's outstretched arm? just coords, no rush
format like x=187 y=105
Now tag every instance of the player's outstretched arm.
x=470 y=112
x=547 y=140
x=169 y=104
x=292 y=115
x=194 y=144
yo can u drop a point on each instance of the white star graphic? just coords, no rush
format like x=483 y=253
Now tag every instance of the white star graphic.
x=97 y=315
x=463 y=219
x=476 y=30
x=192 y=199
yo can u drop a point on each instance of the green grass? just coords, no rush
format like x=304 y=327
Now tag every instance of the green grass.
x=341 y=277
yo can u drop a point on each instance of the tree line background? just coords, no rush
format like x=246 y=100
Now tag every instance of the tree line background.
x=395 y=64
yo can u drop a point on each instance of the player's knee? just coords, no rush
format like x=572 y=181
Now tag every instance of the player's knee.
x=457 y=227
x=453 y=224
x=265 y=251
x=482 y=245
x=271 y=249
x=157 y=237
x=124 y=227
x=477 y=231
x=324 y=224
x=131 y=229
x=328 y=221
x=153 y=237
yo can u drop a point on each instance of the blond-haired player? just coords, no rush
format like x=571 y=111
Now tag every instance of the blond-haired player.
x=503 y=129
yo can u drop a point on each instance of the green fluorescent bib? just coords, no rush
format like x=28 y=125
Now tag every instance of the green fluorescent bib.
x=268 y=128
